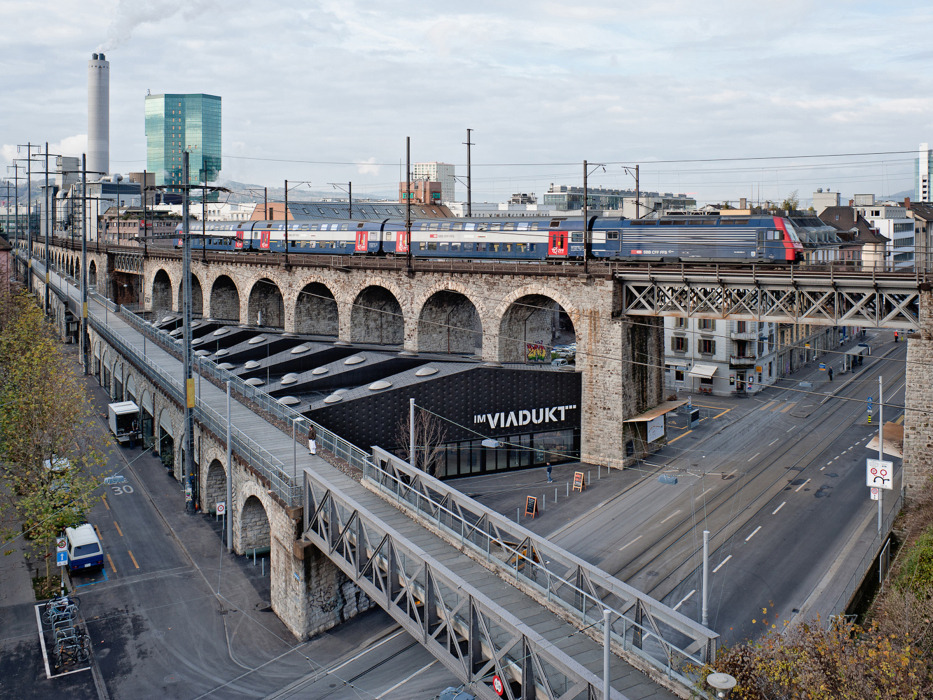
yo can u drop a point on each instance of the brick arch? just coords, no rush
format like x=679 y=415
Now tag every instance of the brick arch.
x=224 y=298
x=316 y=310
x=377 y=316
x=448 y=321
x=214 y=489
x=265 y=297
x=197 y=296
x=92 y=274
x=250 y=499
x=162 y=292
x=517 y=327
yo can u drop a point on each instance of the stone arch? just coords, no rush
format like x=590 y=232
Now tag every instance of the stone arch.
x=106 y=370
x=316 y=311
x=95 y=367
x=118 y=369
x=266 y=307
x=131 y=390
x=161 y=293
x=530 y=319
x=449 y=322
x=92 y=274
x=197 y=296
x=165 y=438
x=147 y=424
x=376 y=317
x=255 y=529
x=215 y=486
x=225 y=300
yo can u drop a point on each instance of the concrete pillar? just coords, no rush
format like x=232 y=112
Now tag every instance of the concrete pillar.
x=918 y=418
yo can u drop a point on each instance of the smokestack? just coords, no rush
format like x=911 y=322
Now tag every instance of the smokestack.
x=98 y=116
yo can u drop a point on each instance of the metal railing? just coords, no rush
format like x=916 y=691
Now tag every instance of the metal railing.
x=642 y=627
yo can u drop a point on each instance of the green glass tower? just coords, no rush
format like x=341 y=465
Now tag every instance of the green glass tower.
x=178 y=122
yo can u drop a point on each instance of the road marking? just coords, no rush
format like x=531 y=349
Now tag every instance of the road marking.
x=106 y=505
x=632 y=542
x=788 y=407
x=98 y=533
x=801 y=485
x=670 y=516
x=793 y=427
x=111 y=564
x=753 y=533
x=822 y=468
x=731 y=474
x=118 y=528
x=134 y=559
x=722 y=563
x=678 y=437
x=365 y=651
x=685 y=598
x=722 y=414
x=773 y=441
x=774 y=512
x=835 y=458
x=404 y=681
x=704 y=493
x=768 y=405
x=757 y=454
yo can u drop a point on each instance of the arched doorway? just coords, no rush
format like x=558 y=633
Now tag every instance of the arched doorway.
x=161 y=294
x=266 y=307
x=255 y=533
x=215 y=486
x=530 y=329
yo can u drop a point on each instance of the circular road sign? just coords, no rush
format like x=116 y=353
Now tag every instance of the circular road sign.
x=60 y=544
x=497 y=685
x=221 y=507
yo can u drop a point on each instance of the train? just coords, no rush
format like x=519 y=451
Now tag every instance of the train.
x=749 y=239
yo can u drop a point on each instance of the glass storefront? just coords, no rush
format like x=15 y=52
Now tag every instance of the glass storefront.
x=469 y=457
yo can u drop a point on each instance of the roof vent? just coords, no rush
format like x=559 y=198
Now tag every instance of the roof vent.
x=381 y=384
x=258 y=339
x=300 y=349
x=354 y=360
x=223 y=352
x=426 y=371
x=320 y=370
x=333 y=398
x=290 y=378
x=289 y=400
x=225 y=365
x=255 y=381
x=252 y=364
x=222 y=331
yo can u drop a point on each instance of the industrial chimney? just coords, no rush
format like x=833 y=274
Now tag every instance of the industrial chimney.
x=98 y=116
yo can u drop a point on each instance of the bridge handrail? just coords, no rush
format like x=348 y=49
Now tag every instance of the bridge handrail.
x=557 y=576
x=328 y=440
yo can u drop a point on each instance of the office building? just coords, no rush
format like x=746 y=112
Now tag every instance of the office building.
x=923 y=173
x=175 y=123
x=443 y=173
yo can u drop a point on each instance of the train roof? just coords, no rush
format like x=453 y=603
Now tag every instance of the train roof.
x=364 y=210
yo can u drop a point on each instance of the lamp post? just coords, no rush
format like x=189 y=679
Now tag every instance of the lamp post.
x=408 y=195
x=469 y=181
x=349 y=190
x=188 y=476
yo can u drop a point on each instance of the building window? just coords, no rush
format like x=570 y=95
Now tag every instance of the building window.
x=679 y=343
x=707 y=324
x=740 y=326
x=680 y=322
x=707 y=346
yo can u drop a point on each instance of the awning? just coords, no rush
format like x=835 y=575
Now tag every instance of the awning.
x=658 y=410
x=703 y=371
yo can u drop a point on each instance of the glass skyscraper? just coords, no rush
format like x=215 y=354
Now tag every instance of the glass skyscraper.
x=175 y=123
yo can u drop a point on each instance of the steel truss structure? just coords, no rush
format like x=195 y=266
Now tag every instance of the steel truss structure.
x=128 y=262
x=474 y=637
x=871 y=300
x=645 y=633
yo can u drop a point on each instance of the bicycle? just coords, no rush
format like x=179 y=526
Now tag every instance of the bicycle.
x=59 y=603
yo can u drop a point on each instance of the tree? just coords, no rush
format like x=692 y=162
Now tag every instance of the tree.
x=47 y=447
x=791 y=202
x=430 y=435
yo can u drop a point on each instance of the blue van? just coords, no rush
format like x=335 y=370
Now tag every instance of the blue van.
x=84 y=550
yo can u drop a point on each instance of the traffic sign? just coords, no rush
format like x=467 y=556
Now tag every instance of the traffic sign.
x=879 y=473
x=497 y=685
x=875 y=493
x=61 y=558
x=822 y=366
x=61 y=544
x=221 y=507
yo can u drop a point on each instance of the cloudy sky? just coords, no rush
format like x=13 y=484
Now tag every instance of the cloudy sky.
x=717 y=99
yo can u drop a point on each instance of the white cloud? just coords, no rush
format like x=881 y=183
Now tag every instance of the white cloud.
x=367 y=167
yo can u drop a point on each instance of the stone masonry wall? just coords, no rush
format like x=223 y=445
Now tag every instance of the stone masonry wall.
x=918 y=418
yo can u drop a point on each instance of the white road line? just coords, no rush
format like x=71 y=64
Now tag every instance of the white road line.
x=789 y=429
x=835 y=458
x=753 y=533
x=775 y=511
x=685 y=598
x=704 y=493
x=365 y=651
x=773 y=441
x=796 y=490
x=670 y=516
x=722 y=563
x=632 y=542
x=753 y=458
x=822 y=468
x=403 y=682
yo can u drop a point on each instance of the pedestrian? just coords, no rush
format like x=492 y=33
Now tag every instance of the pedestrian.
x=549 y=479
x=312 y=440
x=830 y=374
x=895 y=336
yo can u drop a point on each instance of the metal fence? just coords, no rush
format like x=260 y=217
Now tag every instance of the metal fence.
x=642 y=627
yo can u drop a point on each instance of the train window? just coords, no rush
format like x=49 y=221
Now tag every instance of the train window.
x=494 y=247
x=480 y=247
x=432 y=245
x=470 y=226
x=534 y=225
x=612 y=235
x=667 y=222
x=344 y=227
x=522 y=225
x=434 y=226
x=576 y=237
x=495 y=227
x=445 y=226
x=521 y=247
x=509 y=226
x=455 y=246
x=442 y=246
x=506 y=247
x=458 y=226
x=467 y=246
x=480 y=227
x=555 y=223
x=360 y=225
x=304 y=227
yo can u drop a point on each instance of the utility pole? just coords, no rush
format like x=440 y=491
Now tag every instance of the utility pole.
x=286 y=224
x=880 y=444
x=15 y=167
x=637 y=195
x=349 y=191
x=204 y=217
x=48 y=225
x=188 y=475
x=84 y=335
x=469 y=177
x=586 y=197
x=145 y=215
x=408 y=194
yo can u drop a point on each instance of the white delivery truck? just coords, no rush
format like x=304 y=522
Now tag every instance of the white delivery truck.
x=124 y=420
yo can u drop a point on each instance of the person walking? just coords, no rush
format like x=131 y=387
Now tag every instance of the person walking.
x=312 y=441
x=549 y=479
x=830 y=374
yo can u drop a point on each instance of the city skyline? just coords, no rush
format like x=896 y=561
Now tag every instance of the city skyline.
x=330 y=93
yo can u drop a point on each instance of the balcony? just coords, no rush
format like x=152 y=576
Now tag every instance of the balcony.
x=747 y=335
x=740 y=361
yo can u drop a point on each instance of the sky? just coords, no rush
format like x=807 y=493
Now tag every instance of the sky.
x=718 y=100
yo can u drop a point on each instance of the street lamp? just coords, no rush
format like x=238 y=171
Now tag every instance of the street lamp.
x=349 y=190
x=586 y=223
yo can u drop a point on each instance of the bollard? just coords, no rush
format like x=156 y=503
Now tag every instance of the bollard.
x=555 y=494
x=254 y=555
x=518 y=515
x=599 y=471
x=588 y=473
x=263 y=566
x=567 y=484
x=543 y=501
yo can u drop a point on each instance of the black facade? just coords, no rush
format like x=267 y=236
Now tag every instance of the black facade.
x=534 y=416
